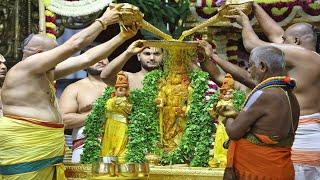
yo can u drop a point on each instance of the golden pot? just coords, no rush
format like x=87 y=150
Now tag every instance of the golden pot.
x=127 y=19
x=143 y=169
x=128 y=170
x=102 y=168
x=153 y=159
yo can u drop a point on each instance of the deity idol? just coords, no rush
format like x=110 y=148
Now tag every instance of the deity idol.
x=172 y=103
x=225 y=103
x=117 y=110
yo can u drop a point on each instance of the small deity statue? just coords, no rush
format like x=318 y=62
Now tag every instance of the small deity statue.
x=117 y=110
x=172 y=103
x=226 y=105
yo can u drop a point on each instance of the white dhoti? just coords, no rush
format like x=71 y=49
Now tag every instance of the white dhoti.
x=77 y=144
x=306 y=148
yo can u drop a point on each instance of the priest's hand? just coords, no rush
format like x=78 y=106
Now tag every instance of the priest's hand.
x=129 y=31
x=136 y=47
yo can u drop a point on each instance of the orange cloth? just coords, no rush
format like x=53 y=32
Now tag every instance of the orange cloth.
x=260 y=162
x=306 y=149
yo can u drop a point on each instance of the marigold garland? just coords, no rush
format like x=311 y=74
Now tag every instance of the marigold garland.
x=51 y=28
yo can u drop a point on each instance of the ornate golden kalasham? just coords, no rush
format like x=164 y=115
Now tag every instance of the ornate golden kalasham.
x=137 y=16
x=222 y=15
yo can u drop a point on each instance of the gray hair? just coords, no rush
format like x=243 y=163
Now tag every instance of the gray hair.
x=273 y=57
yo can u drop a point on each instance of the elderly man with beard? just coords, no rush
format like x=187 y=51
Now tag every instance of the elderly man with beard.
x=149 y=57
x=76 y=103
x=3 y=72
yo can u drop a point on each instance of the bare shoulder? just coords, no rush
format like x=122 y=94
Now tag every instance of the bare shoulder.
x=74 y=87
x=274 y=96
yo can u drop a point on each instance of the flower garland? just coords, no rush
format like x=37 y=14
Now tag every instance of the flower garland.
x=280 y=10
x=76 y=8
x=93 y=128
x=51 y=28
x=279 y=81
x=143 y=131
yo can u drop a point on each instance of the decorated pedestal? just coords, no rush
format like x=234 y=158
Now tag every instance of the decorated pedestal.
x=81 y=172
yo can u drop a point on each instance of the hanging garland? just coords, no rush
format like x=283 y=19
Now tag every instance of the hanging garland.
x=76 y=8
x=143 y=125
x=51 y=27
x=93 y=128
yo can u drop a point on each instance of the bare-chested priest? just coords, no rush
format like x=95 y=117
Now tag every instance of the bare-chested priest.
x=298 y=43
x=76 y=103
x=31 y=130
x=3 y=72
x=149 y=57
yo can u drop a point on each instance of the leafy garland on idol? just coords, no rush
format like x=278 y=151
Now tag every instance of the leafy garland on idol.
x=143 y=125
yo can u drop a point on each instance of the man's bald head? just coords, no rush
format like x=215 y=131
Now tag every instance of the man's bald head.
x=37 y=43
x=301 y=34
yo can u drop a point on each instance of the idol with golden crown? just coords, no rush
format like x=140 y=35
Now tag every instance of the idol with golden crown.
x=117 y=110
x=172 y=103
x=223 y=109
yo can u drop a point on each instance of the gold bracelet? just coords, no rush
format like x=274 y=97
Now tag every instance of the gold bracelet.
x=104 y=27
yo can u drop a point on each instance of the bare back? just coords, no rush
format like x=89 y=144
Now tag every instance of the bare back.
x=275 y=122
x=308 y=85
x=30 y=96
x=304 y=66
x=268 y=115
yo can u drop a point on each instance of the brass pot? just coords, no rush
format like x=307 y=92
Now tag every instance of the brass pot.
x=101 y=168
x=128 y=170
x=153 y=159
x=143 y=169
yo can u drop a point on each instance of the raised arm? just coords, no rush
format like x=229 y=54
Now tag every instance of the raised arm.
x=237 y=73
x=271 y=29
x=69 y=108
x=95 y=54
x=45 y=59
x=206 y=63
x=109 y=73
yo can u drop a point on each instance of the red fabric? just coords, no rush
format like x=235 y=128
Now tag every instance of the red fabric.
x=38 y=122
x=260 y=162
x=77 y=143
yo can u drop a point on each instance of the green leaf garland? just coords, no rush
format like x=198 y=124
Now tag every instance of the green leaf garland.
x=143 y=131
x=93 y=128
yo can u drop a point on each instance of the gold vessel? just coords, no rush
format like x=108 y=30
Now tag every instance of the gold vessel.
x=143 y=170
x=153 y=159
x=107 y=169
x=137 y=16
x=128 y=170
